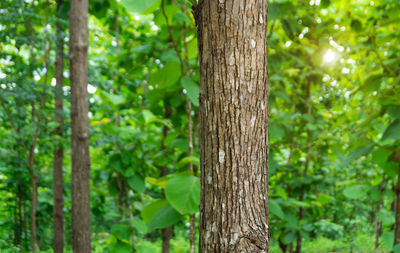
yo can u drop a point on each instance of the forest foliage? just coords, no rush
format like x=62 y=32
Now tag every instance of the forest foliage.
x=334 y=131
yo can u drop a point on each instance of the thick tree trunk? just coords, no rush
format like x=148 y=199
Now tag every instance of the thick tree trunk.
x=78 y=47
x=234 y=119
x=58 y=196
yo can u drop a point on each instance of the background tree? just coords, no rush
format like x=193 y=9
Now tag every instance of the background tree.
x=78 y=56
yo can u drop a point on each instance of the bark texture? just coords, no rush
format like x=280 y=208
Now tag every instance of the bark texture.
x=233 y=125
x=80 y=126
x=58 y=196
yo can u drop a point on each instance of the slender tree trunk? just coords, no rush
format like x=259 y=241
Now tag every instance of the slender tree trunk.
x=78 y=46
x=234 y=119
x=192 y=217
x=289 y=161
x=20 y=221
x=397 y=206
x=58 y=197
x=378 y=223
x=307 y=165
x=165 y=232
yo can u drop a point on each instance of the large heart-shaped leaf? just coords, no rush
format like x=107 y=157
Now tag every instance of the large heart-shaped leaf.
x=183 y=192
x=140 y=6
x=275 y=209
x=151 y=209
x=356 y=191
x=164 y=217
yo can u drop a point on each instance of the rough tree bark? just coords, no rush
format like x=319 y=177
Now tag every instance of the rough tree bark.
x=234 y=117
x=78 y=46
x=58 y=196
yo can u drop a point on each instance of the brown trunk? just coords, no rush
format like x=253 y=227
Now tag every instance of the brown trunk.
x=165 y=232
x=58 y=197
x=33 y=213
x=78 y=46
x=289 y=160
x=233 y=124
x=306 y=167
x=397 y=206
x=18 y=217
x=378 y=223
x=192 y=217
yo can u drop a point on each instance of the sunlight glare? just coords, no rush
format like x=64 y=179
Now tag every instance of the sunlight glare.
x=330 y=57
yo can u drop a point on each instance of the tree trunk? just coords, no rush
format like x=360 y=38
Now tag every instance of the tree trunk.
x=397 y=206
x=234 y=118
x=58 y=197
x=307 y=164
x=78 y=47
x=165 y=232
x=33 y=212
x=378 y=223
x=192 y=217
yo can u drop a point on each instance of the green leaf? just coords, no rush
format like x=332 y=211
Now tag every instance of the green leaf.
x=190 y=159
x=290 y=237
x=183 y=193
x=179 y=17
x=148 y=116
x=357 y=153
x=275 y=209
x=275 y=132
x=356 y=25
x=388 y=240
x=192 y=89
x=167 y=76
x=116 y=163
x=356 y=191
x=150 y=210
x=140 y=6
x=139 y=225
x=396 y=249
x=192 y=49
x=273 y=11
x=122 y=247
x=121 y=231
x=380 y=156
x=137 y=183
x=291 y=220
x=392 y=131
x=372 y=83
x=164 y=217
x=386 y=217
x=325 y=3
x=390 y=169
x=394 y=111
x=114 y=99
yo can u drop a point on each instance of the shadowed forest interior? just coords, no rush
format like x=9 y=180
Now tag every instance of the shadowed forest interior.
x=199 y=126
